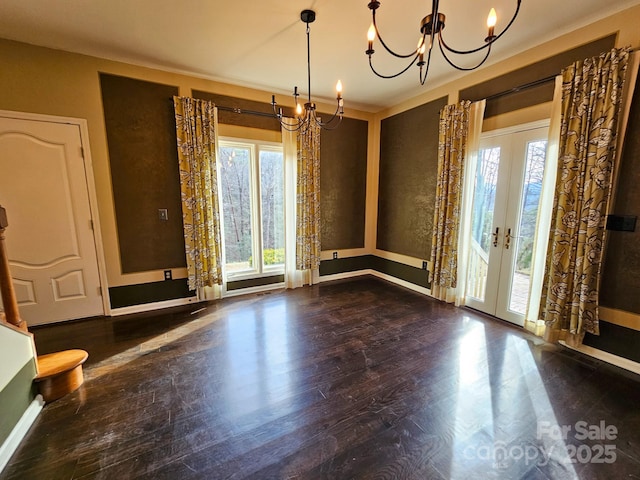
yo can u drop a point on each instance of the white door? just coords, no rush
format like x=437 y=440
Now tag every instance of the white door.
x=505 y=207
x=50 y=241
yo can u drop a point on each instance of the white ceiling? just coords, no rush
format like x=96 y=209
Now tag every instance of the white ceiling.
x=262 y=44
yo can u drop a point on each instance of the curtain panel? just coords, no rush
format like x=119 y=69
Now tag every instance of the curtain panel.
x=532 y=320
x=452 y=141
x=591 y=98
x=293 y=278
x=196 y=127
x=308 y=199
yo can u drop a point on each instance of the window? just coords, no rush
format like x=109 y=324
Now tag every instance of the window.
x=252 y=193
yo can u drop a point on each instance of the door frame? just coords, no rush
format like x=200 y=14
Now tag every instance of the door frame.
x=83 y=130
x=500 y=294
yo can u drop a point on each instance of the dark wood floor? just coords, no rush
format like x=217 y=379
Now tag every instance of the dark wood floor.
x=349 y=379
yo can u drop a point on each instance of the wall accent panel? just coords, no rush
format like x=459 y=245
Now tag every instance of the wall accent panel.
x=141 y=136
x=620 y=285
x=407 y=180
x=343 y=184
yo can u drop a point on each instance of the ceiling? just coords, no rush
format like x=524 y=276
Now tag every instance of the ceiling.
x=262 y=44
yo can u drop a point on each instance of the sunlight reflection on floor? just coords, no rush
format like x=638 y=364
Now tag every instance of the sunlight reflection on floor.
x=486 y=422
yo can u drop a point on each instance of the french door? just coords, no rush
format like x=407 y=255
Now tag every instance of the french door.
x=506 y=198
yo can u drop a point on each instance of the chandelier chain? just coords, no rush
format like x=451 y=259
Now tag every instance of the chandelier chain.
x=306 y=115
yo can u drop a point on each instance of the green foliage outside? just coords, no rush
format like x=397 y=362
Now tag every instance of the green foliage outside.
x=272 y=256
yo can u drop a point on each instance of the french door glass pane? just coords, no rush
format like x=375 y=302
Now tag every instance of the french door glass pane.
x=484 y=198
x=523 y=241
x=272 y=198
x=235 y=170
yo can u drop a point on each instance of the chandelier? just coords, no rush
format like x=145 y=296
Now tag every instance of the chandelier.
x=306 y=115
x=431 y=28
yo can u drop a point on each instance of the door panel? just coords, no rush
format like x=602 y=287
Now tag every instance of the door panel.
x=50 y=242
x=506 y=197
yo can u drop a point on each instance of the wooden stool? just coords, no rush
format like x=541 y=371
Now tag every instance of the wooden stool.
x=60 y=373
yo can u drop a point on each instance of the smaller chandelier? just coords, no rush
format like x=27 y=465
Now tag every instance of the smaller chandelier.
x=431 y=28
x=306 y=115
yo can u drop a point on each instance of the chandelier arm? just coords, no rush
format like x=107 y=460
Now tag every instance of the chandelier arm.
x=292 y=128
x=331 y=124
x=488 y=42
x=464 y=69
x=375 y=26
x=333 y=117
x=426 y=70
x=327 y=126
x=397 y=74
x=277 y=113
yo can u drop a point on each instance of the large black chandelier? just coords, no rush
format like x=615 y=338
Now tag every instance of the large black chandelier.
x=306 y=115
x=431 y=28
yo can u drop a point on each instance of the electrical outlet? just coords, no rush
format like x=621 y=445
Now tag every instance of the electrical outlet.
x=167 y=275
x=335 y=255
x=163 y=214
x=424 y=265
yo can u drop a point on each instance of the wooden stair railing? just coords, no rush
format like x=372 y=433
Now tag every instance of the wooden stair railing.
x=11 y=313
x=59 y=373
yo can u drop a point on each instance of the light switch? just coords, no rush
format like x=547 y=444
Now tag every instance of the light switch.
x=163 y=214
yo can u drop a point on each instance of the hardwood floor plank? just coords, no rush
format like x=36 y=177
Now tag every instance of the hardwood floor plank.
x=348 y=379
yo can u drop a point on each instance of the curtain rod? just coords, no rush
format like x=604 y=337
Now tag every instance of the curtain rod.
x=519 y=88
x=535 y=83
x=248 y=112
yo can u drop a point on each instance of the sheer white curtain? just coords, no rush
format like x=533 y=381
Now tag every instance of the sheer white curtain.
x=293 y=278
x=476 y=114
x=543 y=223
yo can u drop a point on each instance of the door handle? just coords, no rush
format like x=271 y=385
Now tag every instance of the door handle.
x=495 y=237
x=508 y=238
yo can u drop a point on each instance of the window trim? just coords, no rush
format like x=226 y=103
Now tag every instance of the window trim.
x=257 y=235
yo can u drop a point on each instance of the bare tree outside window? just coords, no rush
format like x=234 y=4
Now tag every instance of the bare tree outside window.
x=536 y=155
x=236 y=205
x=272 y=192
x=485 y=195
x=252 y=193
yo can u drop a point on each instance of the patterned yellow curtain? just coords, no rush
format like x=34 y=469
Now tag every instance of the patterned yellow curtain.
x=591 y=98
x=196 y=124
x=452 y=141
x=308 y=200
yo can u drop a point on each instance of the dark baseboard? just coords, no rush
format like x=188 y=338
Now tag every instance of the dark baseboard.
x=621 y=341
x=254 y=282
x=130 y=295
x=398 y=270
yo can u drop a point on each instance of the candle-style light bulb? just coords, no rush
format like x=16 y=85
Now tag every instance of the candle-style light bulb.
x=371 y=36
x=492 y=18
x=339 y=89
x=491 y=22
x=371 y=33
x=298 y=109
x=420 y=49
